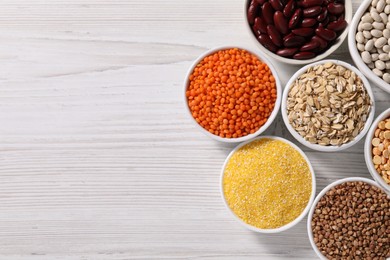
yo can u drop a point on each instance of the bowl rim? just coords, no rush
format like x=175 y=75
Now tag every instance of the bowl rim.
x=318 y=147
x=320 y=195
x=288 y=225
x=368 y=151
x=333 y=48
x=355 y=54
x=273 y=114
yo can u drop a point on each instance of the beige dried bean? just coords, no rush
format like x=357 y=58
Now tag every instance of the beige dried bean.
x=384 y=18
x=380 y=42
x=377 y=25
x=367 y=34
x=367 y=18
x=384 y=57
x=386 y=77
x=387 y=9
x=369 y=45
x=374 y=14
x=380 y=65
x=386 y=33
x=380 y=6
x=360 y=46
x=376 y=33
x=360 y=37
x=377 y=72
x=366 y=57
x=368 y=26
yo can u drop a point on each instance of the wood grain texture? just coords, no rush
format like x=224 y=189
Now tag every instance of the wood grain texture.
x=98 y=159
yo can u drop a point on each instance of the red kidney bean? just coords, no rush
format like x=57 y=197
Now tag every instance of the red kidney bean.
x=332 y=18
x=310 y=3
x=324 y=23
x=274 y=35
x=337 y=26
x=280 y=22
x=287 y=52
x=310 y=46
x=268 y=13
x=335 y=8
x=261 y=1
x=322 y=42
x=294 y=41
x=295 y=19
x=288 y=36
x=326 y=34
x=289 y=9
x=260 y=25
x=252 y=11
x=267 y=43
x=308 y=22
x=304 y=55
x=276 y=5
x=312 y=11
x=323 y=15
x=305 y=32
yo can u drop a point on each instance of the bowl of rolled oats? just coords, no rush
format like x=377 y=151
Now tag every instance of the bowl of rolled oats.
x=328 y=105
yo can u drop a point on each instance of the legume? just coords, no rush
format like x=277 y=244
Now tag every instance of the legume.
x=352 y=221
x=231 y=93
x=297 y=29
x=381 y=149
x=373 y=38
x=267 y=183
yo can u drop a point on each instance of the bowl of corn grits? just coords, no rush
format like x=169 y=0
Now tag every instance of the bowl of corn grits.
x=268 y=184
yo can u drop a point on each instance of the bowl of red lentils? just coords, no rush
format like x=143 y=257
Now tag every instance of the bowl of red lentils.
x=267 y=184
x=232 y=94
x=377 y=150
x=328 y=106
x=350 y=219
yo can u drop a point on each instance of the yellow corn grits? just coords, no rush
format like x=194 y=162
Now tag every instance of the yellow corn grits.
x=267 y=183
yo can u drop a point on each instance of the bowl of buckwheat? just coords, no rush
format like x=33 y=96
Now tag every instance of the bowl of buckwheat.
x=328 y=105
x=349 y=219
x=377 y=150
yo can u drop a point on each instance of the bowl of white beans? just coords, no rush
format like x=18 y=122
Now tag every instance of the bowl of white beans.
x=369 y=41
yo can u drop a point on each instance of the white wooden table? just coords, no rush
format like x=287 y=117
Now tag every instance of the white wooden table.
x=98 y=159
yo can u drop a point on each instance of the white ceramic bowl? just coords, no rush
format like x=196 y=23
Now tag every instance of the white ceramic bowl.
x=319 y=196
x=317 y=146
x=335 y=46
x=368 y=150
x=271 y=118
x=355 y=52
x=289 y=225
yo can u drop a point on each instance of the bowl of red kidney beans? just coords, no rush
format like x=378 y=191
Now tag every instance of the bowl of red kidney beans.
x=298 y=31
